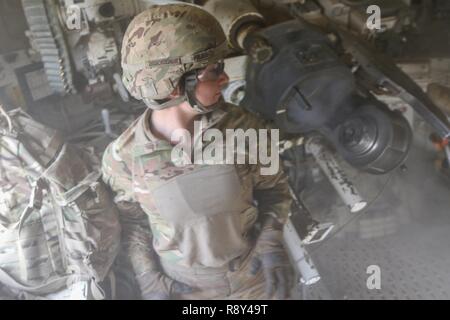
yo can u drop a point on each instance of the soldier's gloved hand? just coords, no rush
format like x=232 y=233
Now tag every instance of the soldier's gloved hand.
x=271 y=256
x=157 y=286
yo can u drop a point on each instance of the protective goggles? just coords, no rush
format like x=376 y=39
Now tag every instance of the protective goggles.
x=211 y=73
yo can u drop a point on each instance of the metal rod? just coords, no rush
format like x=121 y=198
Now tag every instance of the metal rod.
x=302 y=261
x=336 y=175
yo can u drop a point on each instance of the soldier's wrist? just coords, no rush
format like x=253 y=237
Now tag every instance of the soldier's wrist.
x=271 y=221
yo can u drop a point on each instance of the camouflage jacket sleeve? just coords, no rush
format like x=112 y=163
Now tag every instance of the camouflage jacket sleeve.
x=136 y=233
x=272 y=195
x=270 y=190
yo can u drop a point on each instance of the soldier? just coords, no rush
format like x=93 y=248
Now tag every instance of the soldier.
x=59 y=229
x=190 y=232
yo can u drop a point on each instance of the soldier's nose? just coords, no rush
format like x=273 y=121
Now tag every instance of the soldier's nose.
x=223 y=79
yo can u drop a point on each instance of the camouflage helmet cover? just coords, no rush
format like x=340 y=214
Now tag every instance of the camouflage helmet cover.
x=163 y=43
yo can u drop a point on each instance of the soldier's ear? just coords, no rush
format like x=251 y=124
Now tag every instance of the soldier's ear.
x=178 y=91
x=175 y=93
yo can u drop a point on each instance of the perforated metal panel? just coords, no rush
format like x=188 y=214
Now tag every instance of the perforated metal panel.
x=406 y=232
x=413 y=265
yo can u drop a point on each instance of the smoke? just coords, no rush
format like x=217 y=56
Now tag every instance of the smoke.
x=403 y=231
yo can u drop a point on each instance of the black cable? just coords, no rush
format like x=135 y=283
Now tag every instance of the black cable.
x=356 y=216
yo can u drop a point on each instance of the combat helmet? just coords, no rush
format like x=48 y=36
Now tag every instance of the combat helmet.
x=162 y=44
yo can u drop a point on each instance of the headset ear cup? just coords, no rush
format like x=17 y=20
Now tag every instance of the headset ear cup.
x=221 y=68
x=190 y=84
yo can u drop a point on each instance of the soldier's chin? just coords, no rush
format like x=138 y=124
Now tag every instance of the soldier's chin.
x=218 y=100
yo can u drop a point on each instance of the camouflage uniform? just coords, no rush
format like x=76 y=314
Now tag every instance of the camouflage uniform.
x=191 y=225
x=191 y=250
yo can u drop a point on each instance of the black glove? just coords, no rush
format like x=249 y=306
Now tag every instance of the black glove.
x=274 y=261
x=157 y=286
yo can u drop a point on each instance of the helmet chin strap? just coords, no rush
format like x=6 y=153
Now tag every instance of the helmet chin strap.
x=190 y=85
x=189 y=96
x=201 y=109
x=158 y=105
x=196 y=105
